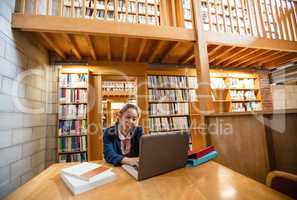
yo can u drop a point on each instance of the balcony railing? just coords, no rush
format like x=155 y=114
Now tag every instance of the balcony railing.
x=151 y=12
x=274 y=19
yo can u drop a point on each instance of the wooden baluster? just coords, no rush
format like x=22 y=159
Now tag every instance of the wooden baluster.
x=243 y=16
x=267 y=19
x=35 y=7
x=173 y=10
x=257 y=20
x=116 y=3
x=250 y=18
x=60 y=8
x=291 y=26
x=156 y=13
x=284 y=21
x=278 y=16
x=217 y=18
x=146 y=15
x=264 y=33
x=224 y=16
x=209 y=15
x=126 y=4
x=48 y=7
x=294 y=16
x=275 y=21
x=83 y=9
x=237 y=19
x=230 y=16
x=23 y=6
x=72 y=13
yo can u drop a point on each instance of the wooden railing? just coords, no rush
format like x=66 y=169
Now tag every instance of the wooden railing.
x=274 y=19
x=176 y=13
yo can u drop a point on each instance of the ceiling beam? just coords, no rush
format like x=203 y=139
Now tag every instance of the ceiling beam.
x=251 y=58
x=172 y=48
x=240 y=57
x=261 y=60
x=156 y=51
x=125 y=47
x=187 y=55
x=91 y=47
x=214 y=50
x=72 y=45
x=220 y=55
x=231 y=56
x=52 y=45
x=108 y=48
x=286 y=58
x=141 y=49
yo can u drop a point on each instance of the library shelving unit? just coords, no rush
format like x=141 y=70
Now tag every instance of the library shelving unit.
x=115 y=94
x=72 y=116
x=236 y=93
x=169 y=98
x=130 y=11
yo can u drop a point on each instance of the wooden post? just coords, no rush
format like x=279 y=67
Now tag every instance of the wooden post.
x=23 y=6
x=202 y=65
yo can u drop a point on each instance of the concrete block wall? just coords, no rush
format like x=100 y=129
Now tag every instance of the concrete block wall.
x=284 y=96
x=27 y=106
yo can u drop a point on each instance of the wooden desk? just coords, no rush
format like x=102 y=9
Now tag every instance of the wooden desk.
x=208 y=181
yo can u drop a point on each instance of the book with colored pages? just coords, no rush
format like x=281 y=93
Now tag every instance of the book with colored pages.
x=86 y=171
x=201 y=160
x=194 y=154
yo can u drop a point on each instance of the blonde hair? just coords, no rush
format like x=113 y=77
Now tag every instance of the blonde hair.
x=125 y=108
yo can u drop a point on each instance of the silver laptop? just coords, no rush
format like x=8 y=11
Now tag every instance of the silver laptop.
x=160 y=153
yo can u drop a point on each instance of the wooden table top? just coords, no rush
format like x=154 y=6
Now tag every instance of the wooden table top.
x=208 y=181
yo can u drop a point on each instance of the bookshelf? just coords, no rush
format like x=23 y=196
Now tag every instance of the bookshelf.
x=116 y=93
x=169 y=98
x=236 y=93
x=130 y=11
x=72 y=116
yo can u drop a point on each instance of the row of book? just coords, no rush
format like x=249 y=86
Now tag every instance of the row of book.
x=249 y=106
x=247 y=83
x=217 y=83
x=169 y=109
x=167 y=81
x=73 y=95
x=168 y=95
x=198 y=157
x=127 y=86
x=73 y=80
x=78 y=157
x=168 y=123
x=72 y=127
x=69 y=144
x=192 y=82
x=72 y=111
x=242 y=95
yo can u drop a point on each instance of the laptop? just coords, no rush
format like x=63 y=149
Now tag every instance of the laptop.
x=160 y=153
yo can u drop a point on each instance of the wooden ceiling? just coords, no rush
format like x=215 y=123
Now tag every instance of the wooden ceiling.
x=124 y=49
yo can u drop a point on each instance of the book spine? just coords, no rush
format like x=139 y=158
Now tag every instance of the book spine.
x=204 y=159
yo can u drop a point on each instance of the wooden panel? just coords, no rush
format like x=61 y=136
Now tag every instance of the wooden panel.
x=241 y=147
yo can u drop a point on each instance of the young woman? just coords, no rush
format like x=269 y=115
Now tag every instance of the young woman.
x=121 y=141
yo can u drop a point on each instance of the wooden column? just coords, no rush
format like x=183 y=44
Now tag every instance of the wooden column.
x=202 y=66
x=95 y=134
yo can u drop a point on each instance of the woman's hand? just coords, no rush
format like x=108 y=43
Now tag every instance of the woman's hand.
x=131 y=161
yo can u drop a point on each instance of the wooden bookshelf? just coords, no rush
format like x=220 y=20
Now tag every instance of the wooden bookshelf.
x=72 y=137
x=169 y=97
x=236 y=92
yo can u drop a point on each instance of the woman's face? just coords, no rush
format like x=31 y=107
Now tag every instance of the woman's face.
x=129 y=119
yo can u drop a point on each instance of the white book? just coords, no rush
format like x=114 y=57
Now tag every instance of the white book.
x=77 y=171
x=78 y=186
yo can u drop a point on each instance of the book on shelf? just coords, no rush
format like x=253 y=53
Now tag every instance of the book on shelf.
x=245 y=83
x=169 y=109
x=217 y=83
x=126 y=86
x=72 y=144
x=73 y=95
x=77 y=185
x=253 y=106
x=238 y=107
x=168 y=123
x=72 y=127
x=168 y=95
x=76 y=157
x=167 y=81
x=73 y=111
x=73 y=80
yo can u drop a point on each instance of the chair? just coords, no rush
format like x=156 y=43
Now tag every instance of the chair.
x=283 y=182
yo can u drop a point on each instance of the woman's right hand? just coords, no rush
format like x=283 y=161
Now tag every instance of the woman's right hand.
x=131 y=161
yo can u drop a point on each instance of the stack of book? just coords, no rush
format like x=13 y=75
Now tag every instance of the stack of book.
x=196 y=158
x=86 y=176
